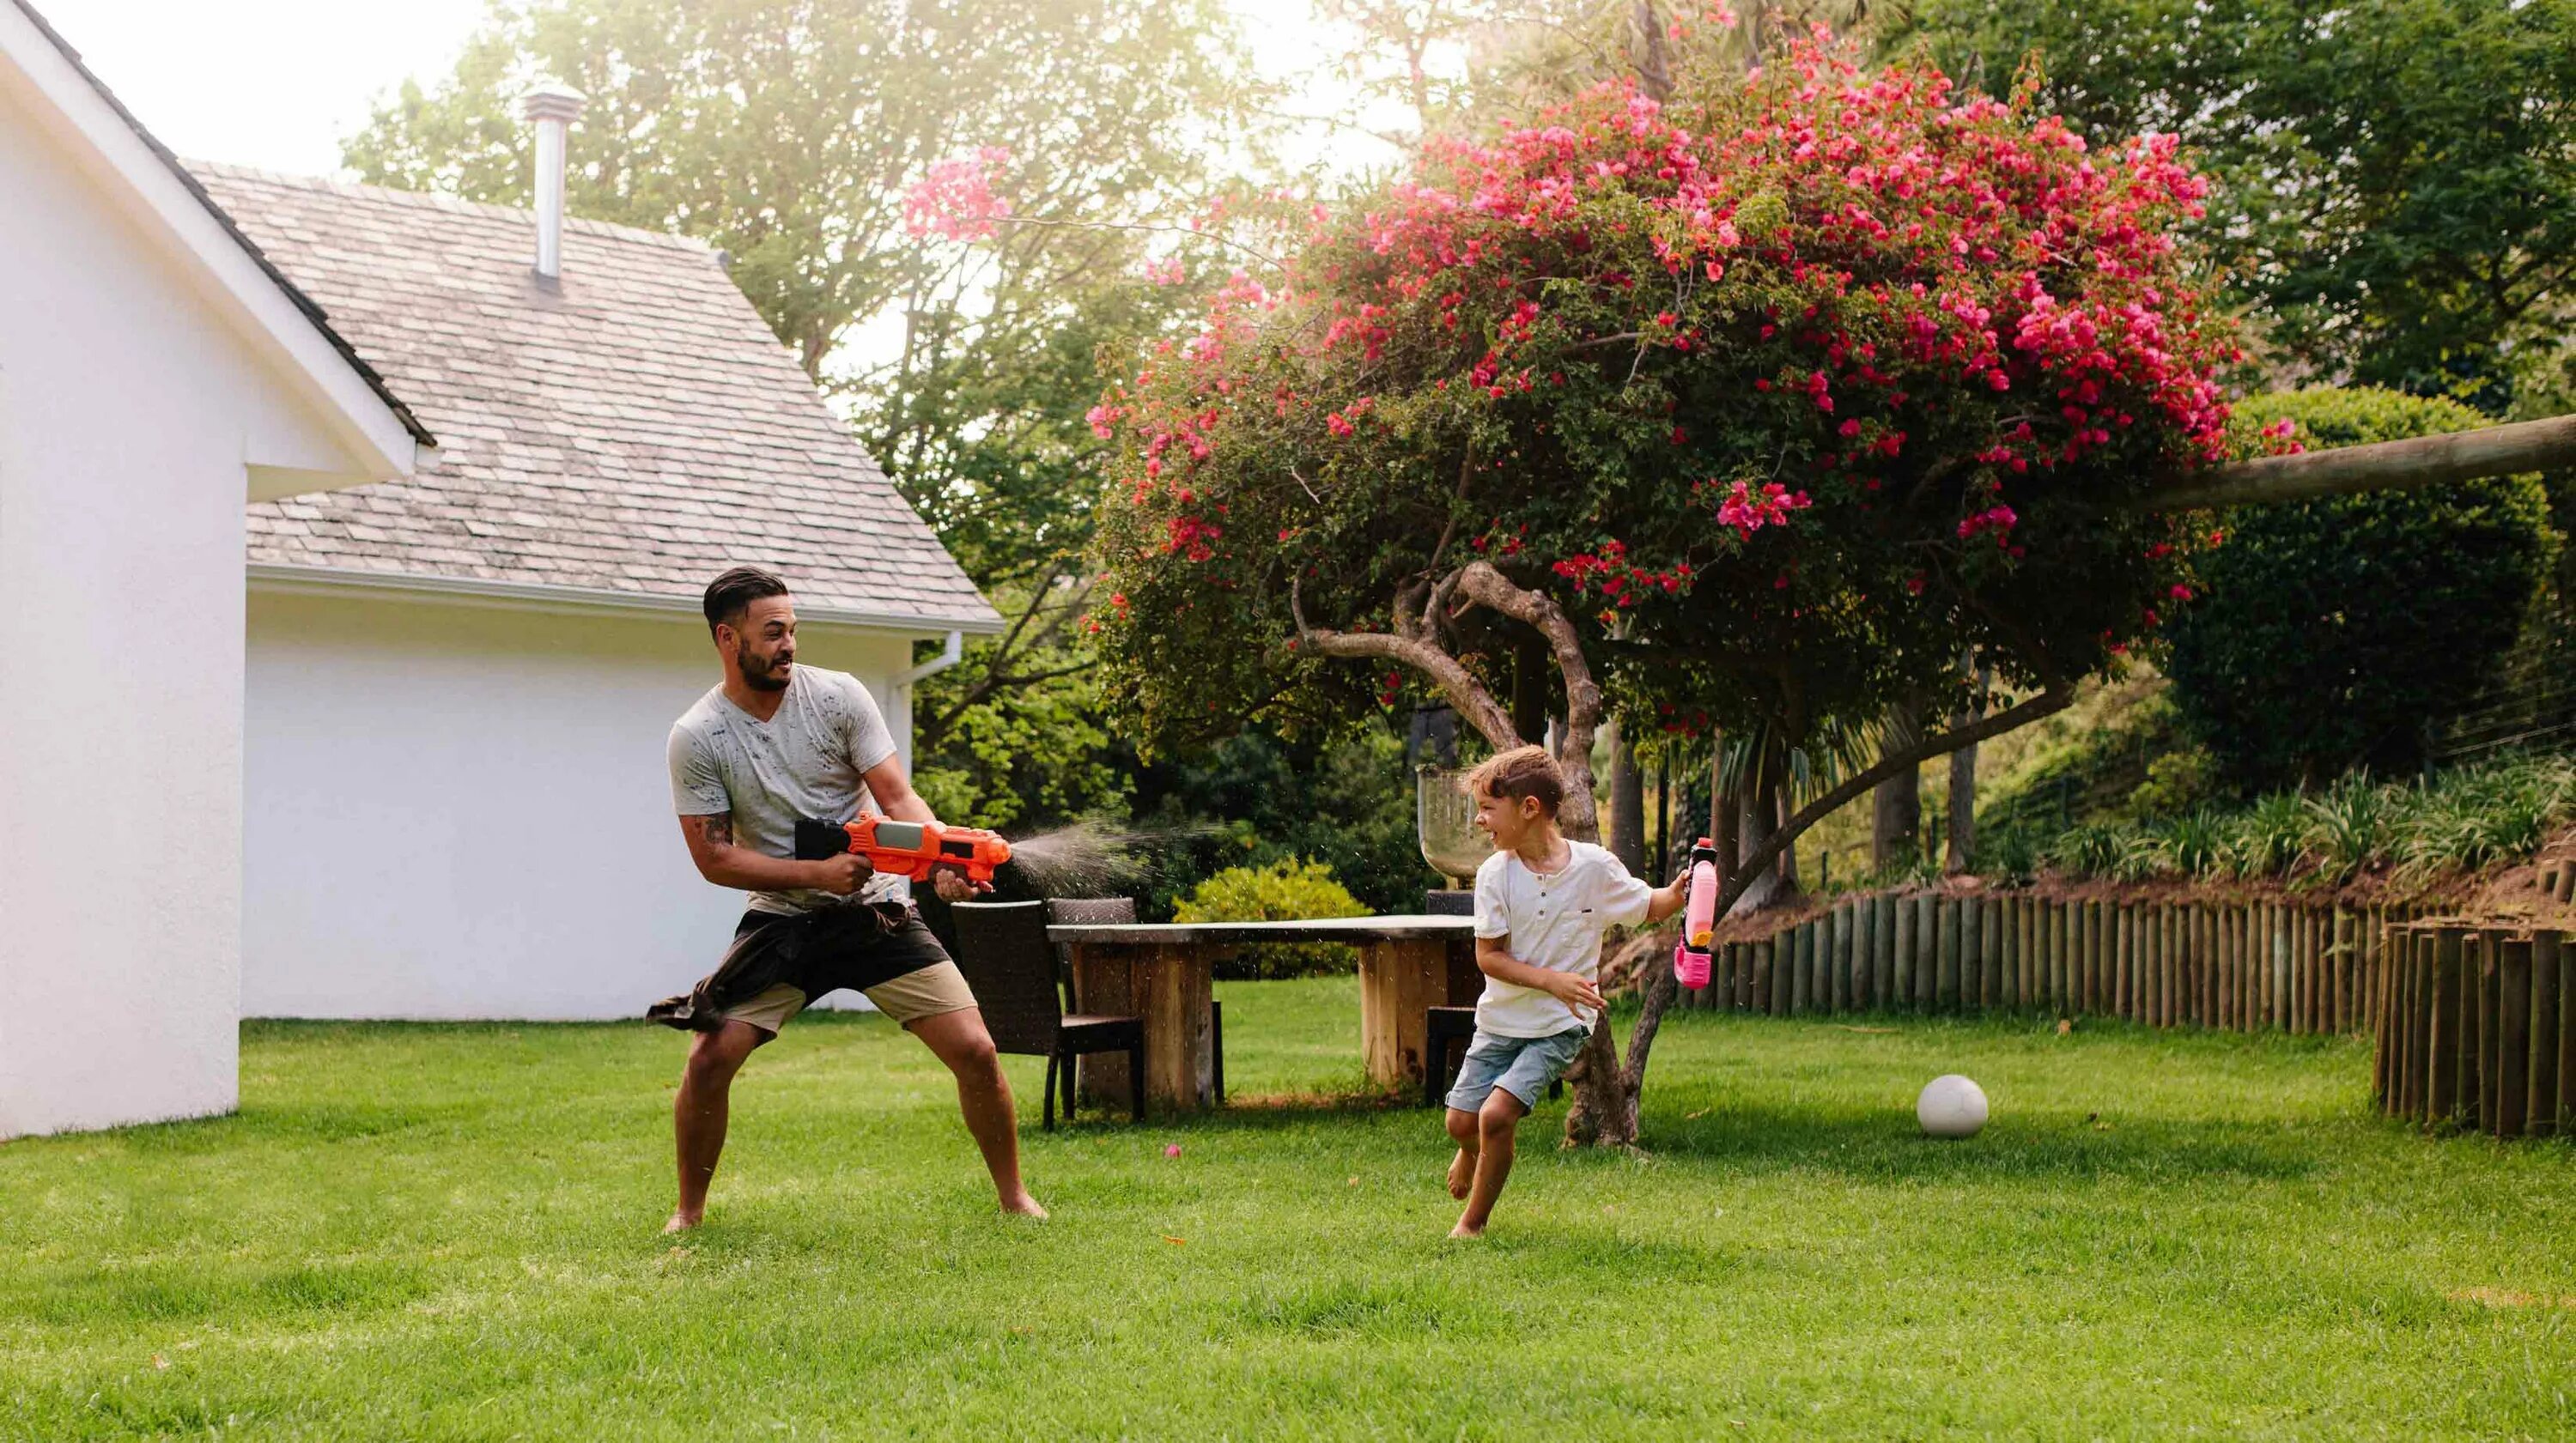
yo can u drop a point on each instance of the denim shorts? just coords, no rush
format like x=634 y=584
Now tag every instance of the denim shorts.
x=1521 y=1066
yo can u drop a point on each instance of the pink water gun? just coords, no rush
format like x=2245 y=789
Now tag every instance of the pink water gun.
x=1699 y=918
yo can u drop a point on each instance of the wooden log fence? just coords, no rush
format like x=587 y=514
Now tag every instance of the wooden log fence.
x=2476 y=1027
x=2252 y=965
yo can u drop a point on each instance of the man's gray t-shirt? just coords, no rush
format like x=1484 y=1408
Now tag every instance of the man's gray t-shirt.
x=805 y=761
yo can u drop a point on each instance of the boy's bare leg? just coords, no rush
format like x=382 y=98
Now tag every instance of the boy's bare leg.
x=984 y=1096
x=1497 y=1124
x=1462 y=1168
x=699 y=1112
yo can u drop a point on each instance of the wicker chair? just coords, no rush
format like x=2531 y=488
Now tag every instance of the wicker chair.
x=1109 y=912
x=1003 y=950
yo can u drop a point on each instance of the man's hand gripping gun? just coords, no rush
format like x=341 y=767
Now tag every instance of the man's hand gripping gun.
x=905 y=849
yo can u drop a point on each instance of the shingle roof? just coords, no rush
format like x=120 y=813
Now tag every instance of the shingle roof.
x=634 y=428
x=301 y=301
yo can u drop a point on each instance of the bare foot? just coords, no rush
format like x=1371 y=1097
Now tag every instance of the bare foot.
x=1024 y=1206
x=1462 y=1173
x=680 y=1223
x=1464 y=1231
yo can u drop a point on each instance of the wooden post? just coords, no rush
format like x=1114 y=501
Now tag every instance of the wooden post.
x=2221 y=990
x=1815 y=965
x=1927 y=950
x=2127 y=986
x=2477 y=1055
x=2540 y=1107
x=2394 y=1025
x=2285 y=942
x=2433 y=1062
x=2022 y=951
x=1949 y=926
x=1990 y=986
x=2303 y=985
x=2565 y=949
x=2513 y=1033
x=2379 y=1063
x=1907 y=916
x=2152 y=960
x=1894 y=939
x=2346 y=974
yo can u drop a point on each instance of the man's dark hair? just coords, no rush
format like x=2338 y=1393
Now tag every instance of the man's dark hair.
x=731 y=594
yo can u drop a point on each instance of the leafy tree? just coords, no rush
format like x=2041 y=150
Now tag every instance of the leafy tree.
x=2396 y=178
x=797 y=135
x=2335 y=633
x=1345 y=802
x=1758 y=406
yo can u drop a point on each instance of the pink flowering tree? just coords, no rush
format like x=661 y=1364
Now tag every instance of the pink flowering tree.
x=1753 y=408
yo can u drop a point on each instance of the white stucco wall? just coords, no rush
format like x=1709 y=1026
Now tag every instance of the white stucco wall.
x=463 y=811
x=130 y=412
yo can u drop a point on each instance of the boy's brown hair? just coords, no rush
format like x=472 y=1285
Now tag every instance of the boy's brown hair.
x=1520 y=772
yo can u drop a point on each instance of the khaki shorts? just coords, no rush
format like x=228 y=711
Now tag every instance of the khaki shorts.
x=927 y=992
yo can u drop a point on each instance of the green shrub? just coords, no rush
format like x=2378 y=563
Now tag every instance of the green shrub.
x=2091 y=850
x=2193 y=844
x=2351 y=826
x=2267 y=839
x=1287 y=890
x=2177 y=782
x=2333 y=634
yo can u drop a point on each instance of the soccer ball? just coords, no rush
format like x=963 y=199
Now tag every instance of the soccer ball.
x=1951 y=1106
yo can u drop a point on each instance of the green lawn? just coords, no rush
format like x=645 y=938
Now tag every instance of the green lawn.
x=433 y=1231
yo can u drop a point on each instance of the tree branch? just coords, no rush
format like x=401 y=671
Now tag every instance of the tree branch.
x=1465 y=694
x=1481 y=583
x=2055 y=699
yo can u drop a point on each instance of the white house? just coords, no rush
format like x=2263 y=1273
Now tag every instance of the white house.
x=155 y=374
x=461 y=681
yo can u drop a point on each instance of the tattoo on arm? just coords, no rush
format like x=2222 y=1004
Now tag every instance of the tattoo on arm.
x=716 y=830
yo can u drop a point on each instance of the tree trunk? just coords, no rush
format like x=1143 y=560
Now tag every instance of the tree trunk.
x=1759 y=807
x=1963 y=786
x=1897 y=804
x=1627 y=802
x=1529 y=691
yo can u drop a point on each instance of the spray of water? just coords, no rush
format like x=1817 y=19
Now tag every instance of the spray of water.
x=1088 y=859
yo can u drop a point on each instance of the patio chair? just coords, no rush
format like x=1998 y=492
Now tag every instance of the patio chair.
x=1003 y=950
x=1110 y=911
x=1442 y=1026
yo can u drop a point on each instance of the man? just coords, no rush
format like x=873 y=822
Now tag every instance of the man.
x=774 y=742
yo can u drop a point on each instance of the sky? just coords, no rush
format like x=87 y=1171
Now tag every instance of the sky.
x=277 y=83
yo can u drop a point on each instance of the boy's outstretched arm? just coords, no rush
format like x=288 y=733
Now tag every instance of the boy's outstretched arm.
x=1494 y=958
x=1665 y=900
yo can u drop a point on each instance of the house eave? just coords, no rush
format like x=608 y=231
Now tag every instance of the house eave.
x=381 y=434
x=279 y=578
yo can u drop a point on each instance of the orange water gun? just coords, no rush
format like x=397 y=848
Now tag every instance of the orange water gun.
x=904 y=849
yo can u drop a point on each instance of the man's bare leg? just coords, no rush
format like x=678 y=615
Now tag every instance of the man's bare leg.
x=1497 y=1126
x=1462 y=1168
x=699 y=1112
x=984 y=1096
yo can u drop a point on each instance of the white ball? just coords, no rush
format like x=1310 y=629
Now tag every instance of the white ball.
x=1951 y=1106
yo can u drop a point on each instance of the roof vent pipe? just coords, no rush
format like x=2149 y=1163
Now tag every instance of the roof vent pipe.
x=552 y=109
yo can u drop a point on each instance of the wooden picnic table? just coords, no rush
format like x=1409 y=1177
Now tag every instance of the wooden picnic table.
x=1165 y=973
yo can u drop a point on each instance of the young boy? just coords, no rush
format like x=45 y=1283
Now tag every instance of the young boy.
x=1541 y=905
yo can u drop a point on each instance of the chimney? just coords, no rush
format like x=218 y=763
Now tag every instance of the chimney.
x=552 y=108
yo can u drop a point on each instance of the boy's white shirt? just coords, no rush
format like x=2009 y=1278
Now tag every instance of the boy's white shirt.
x=1555 y=921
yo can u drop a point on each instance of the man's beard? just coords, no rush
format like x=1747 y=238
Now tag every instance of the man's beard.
x=755 y=674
